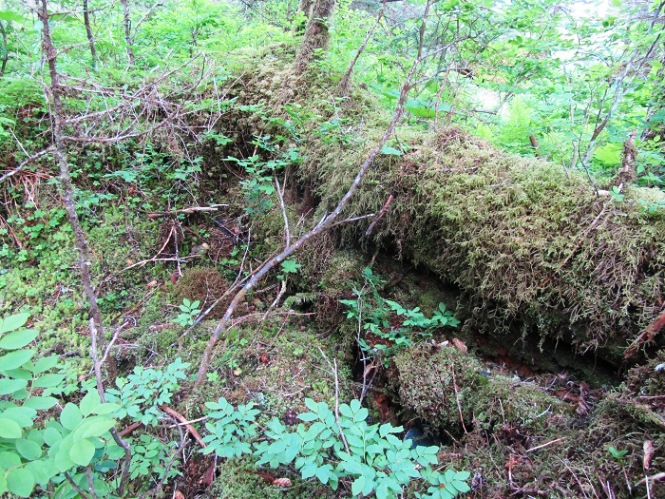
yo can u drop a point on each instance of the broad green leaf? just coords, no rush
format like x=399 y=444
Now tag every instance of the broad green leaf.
x=70 y=416
x=40 y=403
x=106 y=408
x=52 y=436
x=290 y=266
x=12 y=322
x=28 y=449
x=89 y=403
x=82 y=452
x=8 y=386
x=20 y=481
x=23 y=416
x=9 y=15
x=9 y=460
x=45 y=363
x=14 y=360
x=43 y=470
x=17 y=339
x=391 y=151
x=358 y=485
x=48 y=381
x=95 y=426
x=9 y=428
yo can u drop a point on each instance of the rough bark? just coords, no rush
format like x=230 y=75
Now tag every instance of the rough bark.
x=317 y=34
x=54 y=91
x=127 y=22
x=88 y=31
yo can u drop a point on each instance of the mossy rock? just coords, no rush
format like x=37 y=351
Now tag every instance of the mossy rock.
x=454 y=391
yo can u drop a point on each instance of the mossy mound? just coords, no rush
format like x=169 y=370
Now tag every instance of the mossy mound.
x=203 y=284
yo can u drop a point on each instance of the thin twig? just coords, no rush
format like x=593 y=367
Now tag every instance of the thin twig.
x=91 y=482
x=74 y=486
x=193 y=431
x=334 y=371
x=533 y=449
x=26 y=162
x=280 y=195
x=97 y=365
x=459 y=406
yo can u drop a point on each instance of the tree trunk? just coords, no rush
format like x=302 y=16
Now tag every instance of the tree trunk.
x=5 y=49
x=304 y=6
x=316 y=35
x=127 y=21
x=54 y=91
x=88 y=30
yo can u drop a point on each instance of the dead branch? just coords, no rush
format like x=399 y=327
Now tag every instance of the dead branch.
x=26 y=162
x=186 y=424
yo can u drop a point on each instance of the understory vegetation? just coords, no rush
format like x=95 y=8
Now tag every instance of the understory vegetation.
x=332 y=249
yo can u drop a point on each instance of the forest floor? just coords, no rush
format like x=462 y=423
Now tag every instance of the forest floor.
x=509 y=394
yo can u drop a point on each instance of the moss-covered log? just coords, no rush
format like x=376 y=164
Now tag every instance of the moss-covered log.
x=529 y=243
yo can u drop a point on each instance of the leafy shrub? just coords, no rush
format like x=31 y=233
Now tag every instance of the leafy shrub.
x=140 y=394
x=72 y=449
x=334 y=447
x=35 y=454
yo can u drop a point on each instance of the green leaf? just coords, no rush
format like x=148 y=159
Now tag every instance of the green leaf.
x=18 y=339
x=358 y=485
x=52 y=436
x=43 y=470
x=15 y=360
x=391 y=151
x=82 y=452
x=95 y=426
x=10 y=15
x=89 y=403
x=48 y=381
x=70 y=416
x=20 y=482
x=40 y=403
x=8 y=386
x=9 y=460
x=23 y=416
x=106 y=408
x=9 y=428
x=12 y=322
x=290 y=266
x=45 y=363
x=28 y=449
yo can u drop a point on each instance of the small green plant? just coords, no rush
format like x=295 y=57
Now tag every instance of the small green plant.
x=616 y=453
x=188 y=312
x=60 y=446
x=232 y=431
x=258 y=187
x=148 y=457
x=392 y=325
x=334 y=447
x=140 y=394
x=288 y=267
